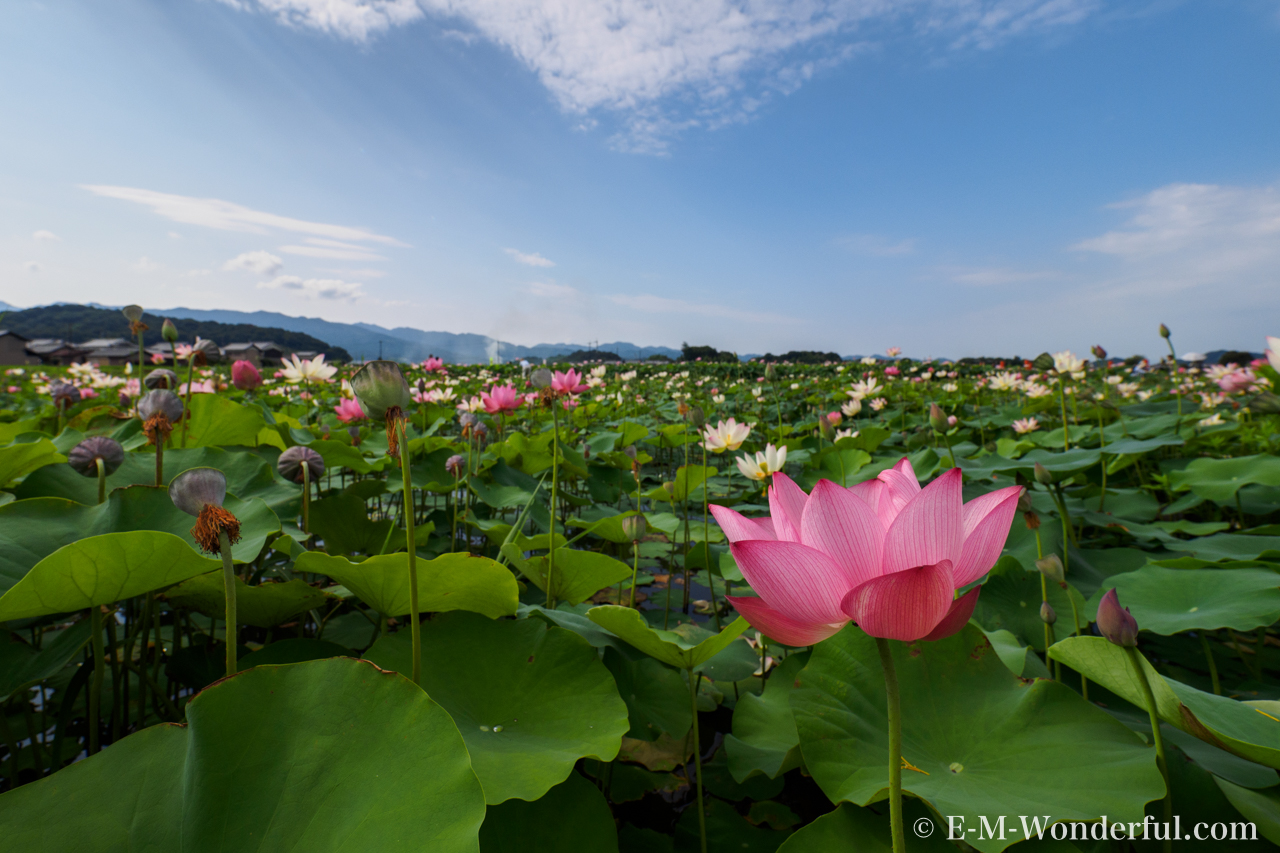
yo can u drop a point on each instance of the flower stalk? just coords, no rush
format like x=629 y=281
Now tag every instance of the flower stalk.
x=1135 y=660
x=415 y=629
x=894 y=707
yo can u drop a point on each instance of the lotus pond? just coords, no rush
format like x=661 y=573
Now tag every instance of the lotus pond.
x=687 y=607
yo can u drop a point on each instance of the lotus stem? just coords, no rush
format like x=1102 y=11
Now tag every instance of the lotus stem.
x=186 y=403
x=1062 y=397
x=306 y=497
x=1135 y=660
x=407 y=478
x=635 y=570
x=694 y=679
x=95 y=686
x=159 y=461
x=1213 y=666
x=102 y=480
x=229 y=591
x=555 y=485
x=894 y=705
x=706 y=545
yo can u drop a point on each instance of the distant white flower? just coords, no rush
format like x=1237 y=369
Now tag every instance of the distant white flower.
x=950 y=387
x=727 y=435
x=1215 y=420
x=1067 y=362
x=764 y=463
x=1022 y=426
x=307 y=370
x=851 y=408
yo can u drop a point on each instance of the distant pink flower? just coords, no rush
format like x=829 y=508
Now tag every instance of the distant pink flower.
x=182 y=350
x=952 y=420
x=205 y=387
x=569 y=382
x=14 y=389
x=891 y=371
x=500 y=398
x=569 y=403
x=157 y=358
x=348 y=411
x=431 y=365
x=245 y=376
x=1237 y=380
x=884 y=553
x=87 y=393
x=834 y=418
x=1022 y=426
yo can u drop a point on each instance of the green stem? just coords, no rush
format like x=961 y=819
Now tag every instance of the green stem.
x=229 y=591
x=95 y=687
x=1062 y=397
x=950 y=452
x=1048 y=629
x=186 y=403
x=102 y=480
x=706 y=545
x=1136 y=661
x=1213 y=666
x=635 y=570
x=694 y=678
x=159 y=461
x=414 y=627
x=894 y=704
x=306 y=497
x=555 y=486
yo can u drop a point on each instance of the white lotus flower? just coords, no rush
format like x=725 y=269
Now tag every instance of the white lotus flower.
x=727 y=435
x=1067 y=362
x=307 y=370
x=764 y=463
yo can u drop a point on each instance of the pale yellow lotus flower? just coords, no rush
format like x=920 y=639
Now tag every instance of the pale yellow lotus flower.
x=763 y=464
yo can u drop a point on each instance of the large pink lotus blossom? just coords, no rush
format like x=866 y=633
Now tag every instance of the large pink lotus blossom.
x=432 y=364
x=886 y=554
x=569 y=382
x=348 y=411
x=1238 y=380
x=500 y=398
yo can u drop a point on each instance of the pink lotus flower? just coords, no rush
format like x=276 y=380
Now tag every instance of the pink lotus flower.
x=432 y=364
x=157 y=358
x=205 y=387
x=834 y=418
x=245 y=376
x=1237 y=380
x=87 y=393
x=884 y=553
x=500 y=398
x=891 y=371
x=569 y=382
x=348 y=411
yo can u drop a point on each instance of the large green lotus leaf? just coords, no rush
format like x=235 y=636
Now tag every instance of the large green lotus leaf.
x=294 y=650
x=985 y=742
x=573 y=817
x=1010 y=600
x=850 y=828
x=578 y=574
x=1168 y=601
x=1021 y=660
x=22 y=666
x=1090 y=568
x=1134 y=446
x=343 y=525
x=329 y=755
x=338 y=455
x=214 y=419
x=18 y=460
x=1061 y=463
x=449 y=582
x=727 y=832
x=1221 y=721
x=1261 y=807
x=32 y=529
x=1220 y=479
x=101 y=570
x=657 y=696
x=248 y=476
x=667 y=646
x=1232 y=546
x=573 y=619
x=262 y=606
x=530 y=700
x=764 y=739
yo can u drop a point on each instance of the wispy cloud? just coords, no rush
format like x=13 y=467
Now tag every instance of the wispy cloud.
x=652 y=304
x=316 y=288
x=228 y=216
x=985 y=276
x=144 y=265
x=356 y=254
x=875 y=245
x=46 y=236
x=719 y=60
x=532 y=259
x=551 y=290
x=261 y=262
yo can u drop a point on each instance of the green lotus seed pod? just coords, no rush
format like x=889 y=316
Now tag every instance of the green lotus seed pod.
x=379 y=386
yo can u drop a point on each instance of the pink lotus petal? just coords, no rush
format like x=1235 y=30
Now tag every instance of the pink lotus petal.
x=802 y=582
x=841 y=525
x=986 y=522
x=900 y=486
x=905 y=605
x=786 y=505
x=929 y=528
x=738 y=527
x=870 y=492
x=778 y=627
x=957 y=617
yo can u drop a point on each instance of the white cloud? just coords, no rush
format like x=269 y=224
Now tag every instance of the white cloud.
x=358 y=253
x=652 y=304
x=365 y=273
x=196 y=273
x=532 y=260
x=876 y=245
x=261 y=262
x=48 y=236
x=145 y=264
x=228 y=216
x=984 y=276
x=316 y=288
x=729 y=55
x=551 y=290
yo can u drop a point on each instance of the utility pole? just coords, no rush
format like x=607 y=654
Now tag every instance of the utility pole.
x=379 y=349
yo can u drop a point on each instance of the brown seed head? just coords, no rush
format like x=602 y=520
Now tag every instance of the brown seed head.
x=212 y=521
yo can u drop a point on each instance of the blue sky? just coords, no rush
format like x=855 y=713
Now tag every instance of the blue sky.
x=955 y=177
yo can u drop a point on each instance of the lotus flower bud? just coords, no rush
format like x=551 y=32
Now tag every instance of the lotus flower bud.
x=84 y=457
x=824 y=426
x=354 y=432
x=635 y=527
x=201 y=492
x=669 y=487
x=161 y=378
x=290 y=463
x=936 y=419
x=1051 y=568
x=168 y=331
x=160 y=402
x=380 y=386
x=1043 y=362
x=1115 y=622
x=132 y=313
x=455 y=465
x=1043 y=477
x=1164 y=331
x=697 y=417
x=1047 y=616
x=245 y=376
x=541 y=378
x=1098 y=352
x=64 y=396
x=770 y=372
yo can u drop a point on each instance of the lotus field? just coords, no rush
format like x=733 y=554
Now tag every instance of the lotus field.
x=874 y=605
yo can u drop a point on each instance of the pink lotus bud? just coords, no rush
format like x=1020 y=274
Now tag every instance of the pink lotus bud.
x=1115 y=622
x=952 y=420
x=245 y=376
x=936 y=419
x=834 y=418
